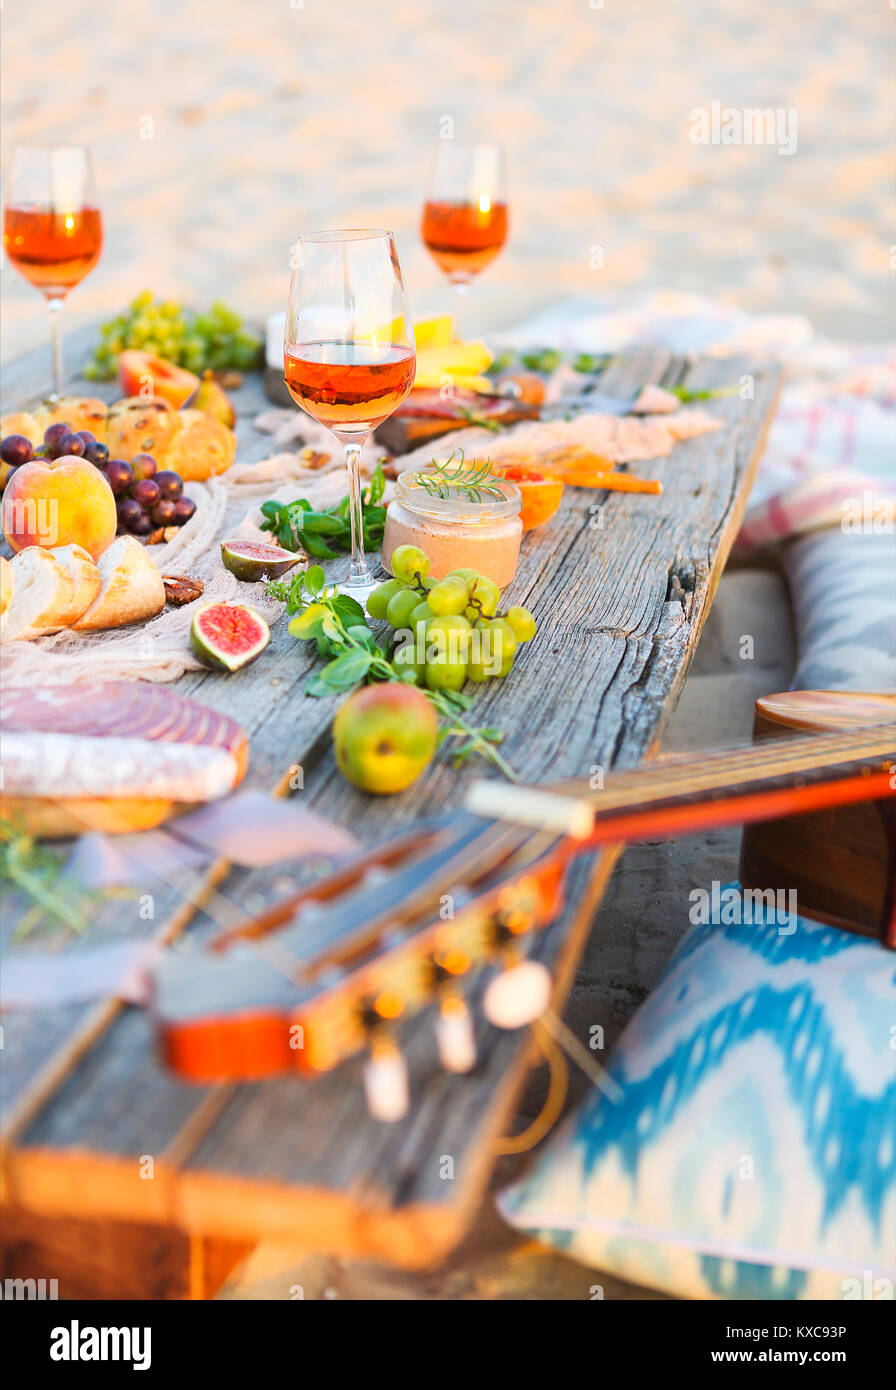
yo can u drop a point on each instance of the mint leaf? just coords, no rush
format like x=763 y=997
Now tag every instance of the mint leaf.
x=315 y=546
x=348 y=609
x=313 y=623
x=315 y=579
x=322 y=524
x=377 y=485
x=319 y=688
x=361 y=633
x=346 y=670
x=329 y=626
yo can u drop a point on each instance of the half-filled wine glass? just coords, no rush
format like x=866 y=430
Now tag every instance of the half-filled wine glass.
x=52 y=229
x=349 y=353
x=465 y=213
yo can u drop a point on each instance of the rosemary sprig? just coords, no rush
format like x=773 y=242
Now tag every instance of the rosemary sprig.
x=466 y=479
x=38 y=874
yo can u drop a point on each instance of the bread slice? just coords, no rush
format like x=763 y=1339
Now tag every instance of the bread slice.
x=132 y=588
x=84 y=576
x=7 y=585
x=42 y=596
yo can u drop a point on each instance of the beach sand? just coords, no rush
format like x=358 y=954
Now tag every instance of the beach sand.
x=221 y=129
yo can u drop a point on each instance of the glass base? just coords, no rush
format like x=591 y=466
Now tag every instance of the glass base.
x=358 y=589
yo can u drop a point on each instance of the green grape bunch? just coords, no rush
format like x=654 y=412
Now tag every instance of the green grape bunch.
x=213 y=338
x=454 y=632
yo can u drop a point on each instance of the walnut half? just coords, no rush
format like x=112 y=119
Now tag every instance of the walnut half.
x=180 y=590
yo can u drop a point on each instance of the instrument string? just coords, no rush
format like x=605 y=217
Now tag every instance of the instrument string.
x=768 y=760
x=557 y=1042
x=578 y=1053
x=558 y=1087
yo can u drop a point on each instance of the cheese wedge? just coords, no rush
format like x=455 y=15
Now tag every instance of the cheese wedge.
x=468 y=359
x=437 y=332
x=429 y=381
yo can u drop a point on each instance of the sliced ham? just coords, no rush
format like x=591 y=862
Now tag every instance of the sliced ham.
x=431 y=403
x=120 y=709
x=655 y=400
x=616 y=438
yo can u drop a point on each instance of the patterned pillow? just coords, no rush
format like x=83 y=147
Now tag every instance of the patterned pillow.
x=844 y=596
x=753 y=1151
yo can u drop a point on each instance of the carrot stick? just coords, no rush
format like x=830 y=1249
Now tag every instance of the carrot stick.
x=609 y=481
x=579 y=468
x=576 y=458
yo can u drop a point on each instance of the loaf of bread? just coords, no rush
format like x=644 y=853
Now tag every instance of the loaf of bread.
x=44 y=591
x=192 y=443
x=202 y=448
x=78 y=412
x=85 y=577
x=7 y=585
x=131 y=588
x=42 y=595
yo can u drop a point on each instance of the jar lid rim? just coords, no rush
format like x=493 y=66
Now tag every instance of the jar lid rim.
x=409 y=492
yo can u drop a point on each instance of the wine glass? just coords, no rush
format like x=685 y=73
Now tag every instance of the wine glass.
x=52 y=229
x=465 y=213
x=349 y=353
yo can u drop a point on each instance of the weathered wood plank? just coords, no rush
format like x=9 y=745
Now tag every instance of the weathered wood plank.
x=617 y=632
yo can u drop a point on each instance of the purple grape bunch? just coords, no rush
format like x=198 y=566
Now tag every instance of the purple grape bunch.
x=146 y=497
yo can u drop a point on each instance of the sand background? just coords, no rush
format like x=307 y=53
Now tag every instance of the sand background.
x=223 y=128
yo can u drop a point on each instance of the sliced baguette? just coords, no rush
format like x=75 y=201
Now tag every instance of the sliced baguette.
x=7 y=586
x=84 y=575
x=132 y=588
x=42 y=596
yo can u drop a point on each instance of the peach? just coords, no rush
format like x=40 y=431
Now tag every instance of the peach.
x=52 y=502
x=143 y=374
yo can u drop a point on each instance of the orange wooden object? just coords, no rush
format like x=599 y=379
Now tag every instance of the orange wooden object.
x=840 y=859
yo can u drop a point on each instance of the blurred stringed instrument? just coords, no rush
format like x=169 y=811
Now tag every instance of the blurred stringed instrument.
x=329 y=973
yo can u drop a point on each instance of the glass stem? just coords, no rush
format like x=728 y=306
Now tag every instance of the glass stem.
x=359 y=572
x=55 y=307
x=460 y=288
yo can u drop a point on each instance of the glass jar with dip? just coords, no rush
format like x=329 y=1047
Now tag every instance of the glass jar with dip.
x=475 y=528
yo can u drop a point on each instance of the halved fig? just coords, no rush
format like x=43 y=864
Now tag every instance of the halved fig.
x=228 y=635
x=252 y=561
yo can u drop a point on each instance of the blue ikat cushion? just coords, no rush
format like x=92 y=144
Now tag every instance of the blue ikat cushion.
x=752 y=1152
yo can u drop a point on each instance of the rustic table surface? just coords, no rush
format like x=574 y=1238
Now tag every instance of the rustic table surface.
x=139 y=1185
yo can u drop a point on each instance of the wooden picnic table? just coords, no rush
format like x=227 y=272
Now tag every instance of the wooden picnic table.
x=126 y=1182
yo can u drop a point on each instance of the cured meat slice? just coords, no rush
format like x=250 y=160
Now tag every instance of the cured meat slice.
x=114 y=755
x=118 y=709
